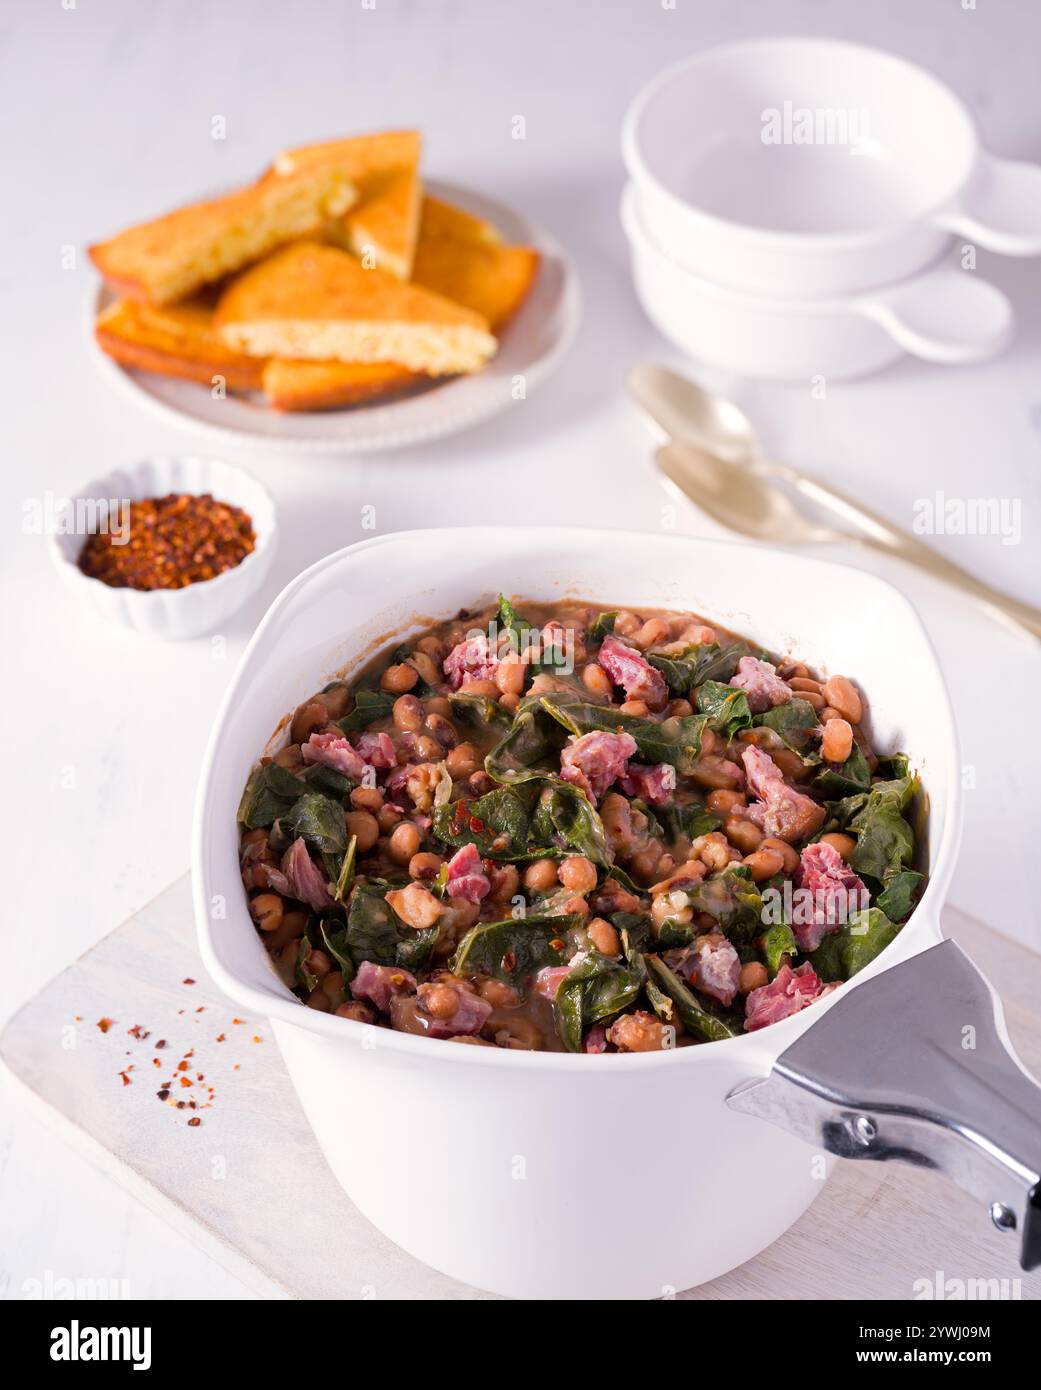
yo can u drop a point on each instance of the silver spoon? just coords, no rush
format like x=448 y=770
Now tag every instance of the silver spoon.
x=713 y=457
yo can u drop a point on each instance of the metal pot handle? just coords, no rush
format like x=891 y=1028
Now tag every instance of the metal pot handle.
x=916 y=1065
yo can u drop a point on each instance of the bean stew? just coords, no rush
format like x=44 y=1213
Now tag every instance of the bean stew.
x=560 y=827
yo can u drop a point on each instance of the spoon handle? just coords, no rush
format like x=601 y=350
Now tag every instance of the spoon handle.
x=880 y=534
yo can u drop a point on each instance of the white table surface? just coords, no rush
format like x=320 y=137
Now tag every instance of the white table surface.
x=108 y=108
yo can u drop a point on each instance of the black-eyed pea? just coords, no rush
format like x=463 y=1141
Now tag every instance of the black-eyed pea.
x=578 y=874
x=789 y=856
x=425 y=865
x=753 y=976
x=842 y=695
x=408 y=713
x=541 y=876
x=597 y=682
x=841 y=844
x=764 y=864
x=404 y=842
x=266 y=909
x=463 y=760
x=837 y=743
x=367 y=799
x=740 y=831
x=365 y=826
x=726 y=803
x=604 y=936
x=396 y=680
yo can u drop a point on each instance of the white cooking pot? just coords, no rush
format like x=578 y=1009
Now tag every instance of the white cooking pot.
x=943 y=314
x=808 y=166
x=526 y=1173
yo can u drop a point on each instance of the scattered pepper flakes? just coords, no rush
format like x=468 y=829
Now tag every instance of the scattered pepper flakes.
x=257 y=1038
x=138 y=1032
x=164 y=1094
x=156 y=1062
x=186 y=1081
x=188 y=981
x=201 y=1009
x=126 y=1076
x=194 y=1121
x=220 y=1037
x=161 y=1043
x=238 y=1020
x=105 y=1024
x=182 y=1066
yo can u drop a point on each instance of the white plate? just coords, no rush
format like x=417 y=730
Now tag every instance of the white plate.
x=532 y=344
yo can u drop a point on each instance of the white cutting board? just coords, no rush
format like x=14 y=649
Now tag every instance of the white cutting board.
x=249 y=1186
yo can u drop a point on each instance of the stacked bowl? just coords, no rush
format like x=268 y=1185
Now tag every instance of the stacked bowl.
x=793 y=204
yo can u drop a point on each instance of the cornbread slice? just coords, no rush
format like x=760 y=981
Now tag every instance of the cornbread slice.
x=383 y=226
x=441 y=219
x=297 y=386
x=491 y=280
x=359 y=157
x=318 y=302
x=175 y=340
x=171 y=257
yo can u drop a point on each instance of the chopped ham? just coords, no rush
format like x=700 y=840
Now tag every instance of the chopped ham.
x=790 y=991
x=471 y=1014
x=710 y=964
x=547 y=981
x=466 y=875
x=595 y=1039
x=470 y=660
x=336 y=752
x=761 y=684
x=834 y=891
x=593 y=761
x=654 y=785
x=304 y=878
x=781 y=811
x=380 y=983
x=637 y=677
x=377 y=750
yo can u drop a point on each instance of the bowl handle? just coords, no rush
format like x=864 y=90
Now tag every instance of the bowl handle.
x=916 y=1065
x=947 y=315
x=1000 y=210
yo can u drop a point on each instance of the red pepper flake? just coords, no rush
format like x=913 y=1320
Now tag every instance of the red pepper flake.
x=161 y=1043
x=201 y=1009
x=238 y=1020
x=156 y=1062
x=186 y=1081
x=221 y=1037
x=164 y=1094
x=199 y=1076
x=509 y=961
x=257 y=1037
x=237 y=1066
x=105 y=1024
x=138 y=1032
x=194 y=1121
x=557 y=944
x=125 y=1075
x=168 y=543
x=77 y=1018
x=182 y=1066
x=188 y=981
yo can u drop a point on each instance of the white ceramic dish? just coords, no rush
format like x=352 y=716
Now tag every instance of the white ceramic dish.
x=532 y=345
x=172 y=614
x=520 y=1149
x=943 y=314
x=891 y=165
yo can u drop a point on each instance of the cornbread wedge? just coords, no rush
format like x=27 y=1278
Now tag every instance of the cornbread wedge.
x=383 y=226
x=318 y=302
x=175 y=340
x=328 y=385
x=359 y=157
x=171 y=257
x=440 y=219
x=491 y=280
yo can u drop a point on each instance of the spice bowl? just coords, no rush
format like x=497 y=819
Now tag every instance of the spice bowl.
x=171 y=614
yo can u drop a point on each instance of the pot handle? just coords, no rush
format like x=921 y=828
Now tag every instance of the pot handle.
x=915 y=1065
x=1001 y=208
x=947 y=315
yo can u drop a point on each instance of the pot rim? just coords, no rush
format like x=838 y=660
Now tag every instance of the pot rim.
x=282 y=1007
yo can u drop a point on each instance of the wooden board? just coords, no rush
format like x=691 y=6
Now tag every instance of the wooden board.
x=249 y=1185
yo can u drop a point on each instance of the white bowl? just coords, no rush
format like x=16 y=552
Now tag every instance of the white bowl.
x=173 y=614
x=813 y=166
x=515 y=1171
x=944 y=314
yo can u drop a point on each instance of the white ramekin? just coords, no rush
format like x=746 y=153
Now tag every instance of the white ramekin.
x=943 y=314
x=891 y=166
x=521 y=1172
x=172 y=614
